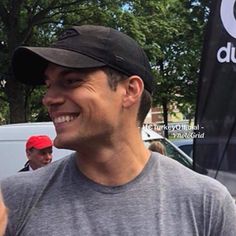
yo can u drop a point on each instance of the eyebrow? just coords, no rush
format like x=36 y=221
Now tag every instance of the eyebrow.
x=67 y=71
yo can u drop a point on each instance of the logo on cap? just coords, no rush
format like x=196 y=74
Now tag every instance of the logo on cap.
x=67 y=33
x=227 y=16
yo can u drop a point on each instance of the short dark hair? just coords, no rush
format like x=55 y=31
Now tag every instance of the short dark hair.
x=114 y=77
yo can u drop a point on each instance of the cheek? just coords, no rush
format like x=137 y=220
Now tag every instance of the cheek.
x=41 y=158
x=36 y=158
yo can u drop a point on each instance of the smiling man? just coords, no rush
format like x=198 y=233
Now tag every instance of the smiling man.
x=98 y=85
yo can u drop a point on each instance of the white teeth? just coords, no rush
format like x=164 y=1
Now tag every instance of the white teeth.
x=62 y=119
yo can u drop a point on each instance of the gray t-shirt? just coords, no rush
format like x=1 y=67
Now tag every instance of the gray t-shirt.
x=166 y=199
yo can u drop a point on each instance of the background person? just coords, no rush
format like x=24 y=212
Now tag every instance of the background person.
x=157 y=146
x=38 y=151
x=98 y=85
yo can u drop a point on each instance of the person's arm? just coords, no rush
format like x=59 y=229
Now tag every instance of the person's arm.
x=225 y=218
x=3 y=216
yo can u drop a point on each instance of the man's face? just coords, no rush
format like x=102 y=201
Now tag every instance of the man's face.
x=82 y=106
x=3 y=217
x=39 y=157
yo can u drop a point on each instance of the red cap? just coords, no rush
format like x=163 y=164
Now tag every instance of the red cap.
x=38 y=142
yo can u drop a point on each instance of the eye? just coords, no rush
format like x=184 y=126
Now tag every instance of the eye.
x=72 y=81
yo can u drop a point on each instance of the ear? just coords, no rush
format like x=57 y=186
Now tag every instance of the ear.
x=28 y=153
x=134 y=88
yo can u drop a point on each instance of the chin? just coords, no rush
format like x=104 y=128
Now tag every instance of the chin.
x=64 y=143
x=77 y=140
x=58 y=143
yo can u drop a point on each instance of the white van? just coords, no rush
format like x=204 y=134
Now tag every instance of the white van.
x=13 y=138
x=12 y=145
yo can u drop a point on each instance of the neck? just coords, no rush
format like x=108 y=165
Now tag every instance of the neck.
x=116 y=164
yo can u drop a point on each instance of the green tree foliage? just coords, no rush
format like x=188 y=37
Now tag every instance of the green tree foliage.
x=172 y=35
x=196 y=17
x=169 y=30
x=36 y=22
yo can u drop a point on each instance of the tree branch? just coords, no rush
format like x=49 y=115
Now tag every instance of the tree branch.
x=65 y=5
x=3 y=14
x=42 y=14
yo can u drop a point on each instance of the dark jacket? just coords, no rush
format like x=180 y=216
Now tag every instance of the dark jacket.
x=26 y=167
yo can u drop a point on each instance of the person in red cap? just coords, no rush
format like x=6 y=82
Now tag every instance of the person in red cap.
x=38 y=151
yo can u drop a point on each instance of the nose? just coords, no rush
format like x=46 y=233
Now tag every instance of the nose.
x=52 y=97
x=48 y=156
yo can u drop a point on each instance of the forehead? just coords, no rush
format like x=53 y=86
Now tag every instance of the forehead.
x=48 y=149
x=53 y=71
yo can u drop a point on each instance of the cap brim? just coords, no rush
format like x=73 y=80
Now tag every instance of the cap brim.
x=29 y=63
x=40 y=147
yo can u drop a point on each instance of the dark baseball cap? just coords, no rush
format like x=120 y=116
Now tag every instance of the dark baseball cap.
x=81 y=47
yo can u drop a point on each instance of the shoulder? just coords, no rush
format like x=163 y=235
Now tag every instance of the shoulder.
x=30 y=183
x=185 y=182
x=24 y=190
x=200 y=194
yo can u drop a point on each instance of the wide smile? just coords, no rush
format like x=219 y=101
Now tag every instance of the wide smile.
x=64 y=118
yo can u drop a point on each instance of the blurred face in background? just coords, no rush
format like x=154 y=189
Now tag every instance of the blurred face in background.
x=3 y=216
x=39 y=157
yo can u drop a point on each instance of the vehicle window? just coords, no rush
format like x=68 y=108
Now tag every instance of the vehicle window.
x=174 y=154
x=187 y=149
x=171 y=152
